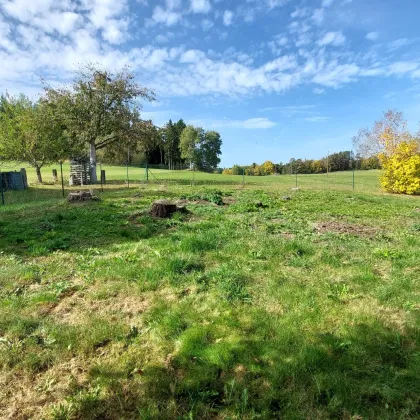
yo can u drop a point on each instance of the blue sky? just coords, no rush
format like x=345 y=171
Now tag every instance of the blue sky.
x=277 y=78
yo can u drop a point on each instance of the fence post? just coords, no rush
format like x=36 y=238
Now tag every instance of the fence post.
x=147 y=172
x=296 y=178
x=128 y=161
x=62 y=178
x=353 y=179
x=103 y=179
x=243 y=176
x=1 y=190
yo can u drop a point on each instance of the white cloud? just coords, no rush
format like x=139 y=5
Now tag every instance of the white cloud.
x=290 y=110
x=192 y=56
x=200 y=6
x=207 y=24
x=317 y=119
x=167 y=17
x=277 y=44
x=275 y=3
x=372 y=36
x=255 y=123
x=300 y=12
x=327 y=3
x=227 y=18
x=415 y=74
x=402 y=67
x=318 y=91
x=250 y=124
x=318 y=16
x=332 y=38
x=90 y=31
x=335 y=75
x=398 y=43
x=173 y=4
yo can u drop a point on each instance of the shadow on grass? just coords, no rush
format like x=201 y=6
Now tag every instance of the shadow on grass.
x=370 y=371
x=38 y=228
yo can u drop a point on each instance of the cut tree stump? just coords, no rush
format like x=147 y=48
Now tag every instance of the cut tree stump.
x=79 y=196
x=164 y=208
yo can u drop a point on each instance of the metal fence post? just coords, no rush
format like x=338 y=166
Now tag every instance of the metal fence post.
x=147 y=172
x=243 y=176
x=128 y=161
x=353 y=179
x=1 y=190
x=62 y=178
x=296 y=178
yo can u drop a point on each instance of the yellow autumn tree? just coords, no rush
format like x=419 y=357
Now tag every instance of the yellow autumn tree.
x=267 y=168
x=402 y=168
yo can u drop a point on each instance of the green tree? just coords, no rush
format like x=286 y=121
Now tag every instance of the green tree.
x=189 y=139
x=101 y=108
x=210 y=150
x=30 y=132
x=200 y=148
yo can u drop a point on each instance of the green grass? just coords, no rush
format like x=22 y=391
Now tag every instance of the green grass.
x=259 y=309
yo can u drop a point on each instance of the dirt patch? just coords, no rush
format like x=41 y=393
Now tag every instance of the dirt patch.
x=184 y=202
x=345 y=228
x=227 y=201
x=30 y=397
x=74 y=310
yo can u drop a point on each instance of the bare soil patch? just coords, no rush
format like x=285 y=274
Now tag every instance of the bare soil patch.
x=346 y=228
x=75 y=309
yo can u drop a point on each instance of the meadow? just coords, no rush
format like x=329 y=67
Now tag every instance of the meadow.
x=259 y=303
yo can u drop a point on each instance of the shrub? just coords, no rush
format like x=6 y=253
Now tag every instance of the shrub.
x=402 y=169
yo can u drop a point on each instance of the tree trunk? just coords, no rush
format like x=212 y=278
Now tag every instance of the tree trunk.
x=38 y=174
x=93 y=177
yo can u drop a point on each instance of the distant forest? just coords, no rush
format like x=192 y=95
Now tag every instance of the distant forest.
x=341 y=161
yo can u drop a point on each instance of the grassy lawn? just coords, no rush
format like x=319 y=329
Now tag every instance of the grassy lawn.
x=261 y=308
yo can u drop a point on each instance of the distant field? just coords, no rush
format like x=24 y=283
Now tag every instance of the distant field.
x=364 y=180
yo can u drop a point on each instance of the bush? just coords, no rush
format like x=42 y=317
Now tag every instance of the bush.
x=402 y=169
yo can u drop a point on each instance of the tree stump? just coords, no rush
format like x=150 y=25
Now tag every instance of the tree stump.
x=163 y=208
x=79 y=196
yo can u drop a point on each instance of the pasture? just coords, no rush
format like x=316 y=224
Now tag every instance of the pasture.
x=258 y=308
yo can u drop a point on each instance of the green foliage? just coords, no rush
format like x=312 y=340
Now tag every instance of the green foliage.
x=30 y=132
x=100 y=109
x=212 y=196
x=200 y=148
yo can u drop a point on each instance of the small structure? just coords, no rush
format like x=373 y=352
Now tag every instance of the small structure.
x=79 y=172
x=15 y=180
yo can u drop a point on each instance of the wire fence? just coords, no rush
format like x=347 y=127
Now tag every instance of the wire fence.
x=21 y=183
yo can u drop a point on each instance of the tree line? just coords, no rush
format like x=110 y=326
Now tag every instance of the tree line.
x=341 y=161
x=98 y=116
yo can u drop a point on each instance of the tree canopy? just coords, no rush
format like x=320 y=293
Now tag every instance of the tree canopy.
x=100 y=109
x=30 y=132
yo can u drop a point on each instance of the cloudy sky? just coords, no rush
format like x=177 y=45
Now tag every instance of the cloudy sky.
x=277 y=78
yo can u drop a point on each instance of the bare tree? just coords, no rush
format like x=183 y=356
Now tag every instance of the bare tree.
x=385 y=135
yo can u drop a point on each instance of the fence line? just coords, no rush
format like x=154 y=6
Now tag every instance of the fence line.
x=113 y=177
